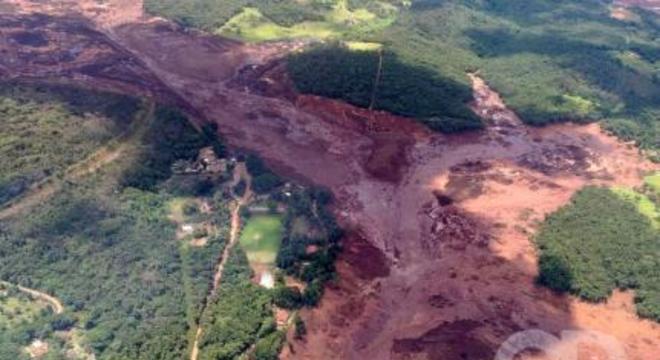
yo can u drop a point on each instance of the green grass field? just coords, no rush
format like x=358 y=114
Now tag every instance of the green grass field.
x=653 y=182
x=261 y=238
x=643 y=203
x=252 y=25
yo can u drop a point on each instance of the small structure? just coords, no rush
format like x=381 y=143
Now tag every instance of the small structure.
x=210 y=161
x=207 y=162
x=267 y=280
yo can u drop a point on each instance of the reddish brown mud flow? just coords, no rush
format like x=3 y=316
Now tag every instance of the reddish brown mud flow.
x=439 y=263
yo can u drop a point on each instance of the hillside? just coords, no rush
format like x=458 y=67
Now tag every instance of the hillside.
x=570 y=61
x=335 y=179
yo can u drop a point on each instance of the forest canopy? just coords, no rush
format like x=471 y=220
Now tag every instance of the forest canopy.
x=552 y=61
x=598 y=243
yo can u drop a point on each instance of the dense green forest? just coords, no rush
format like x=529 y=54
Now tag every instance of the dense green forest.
x=109 y=244
x=20 y=314
x=551 y=60
x=104 y=245
x=240 y=316
x=45 y=128
x=401 y=88
x=598 y=243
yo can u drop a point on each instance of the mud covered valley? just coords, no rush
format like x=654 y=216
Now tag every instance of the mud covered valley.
x=438 y=261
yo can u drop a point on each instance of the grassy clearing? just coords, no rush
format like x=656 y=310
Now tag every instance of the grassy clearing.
x=258 y=21
x=261 y=238
x=363 y=46
x=252 y=25
x=653 y=182
x=17 y=308
x=643 y=203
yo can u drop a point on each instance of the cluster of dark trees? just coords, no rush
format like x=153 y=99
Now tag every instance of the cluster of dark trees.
x=598 y=243
x=314 y=268
x=263 y=180
x=170 y=138
x=406 y=89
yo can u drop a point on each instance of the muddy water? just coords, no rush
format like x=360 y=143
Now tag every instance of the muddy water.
x=463 y=265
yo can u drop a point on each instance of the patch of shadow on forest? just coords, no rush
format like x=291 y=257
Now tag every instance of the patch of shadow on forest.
x=384 y=81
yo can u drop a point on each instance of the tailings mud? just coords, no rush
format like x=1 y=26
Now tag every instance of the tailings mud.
x=443 y=223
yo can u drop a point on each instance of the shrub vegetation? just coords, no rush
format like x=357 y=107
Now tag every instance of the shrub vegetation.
x=240 y=316
x=108 y=251
x=598 y=243
x=46 y=128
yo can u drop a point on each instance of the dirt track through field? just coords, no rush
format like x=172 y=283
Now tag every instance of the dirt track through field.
x=439 y=261
x=103 y=156
x=240 y=174
x=54 y=303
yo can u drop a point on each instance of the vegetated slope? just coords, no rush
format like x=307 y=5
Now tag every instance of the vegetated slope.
x=105 y=245
x=18 y=309
x=210 y=15
x=46 y=128
x=598 y=243
x=551 y=61
x=256 y=20
x=401 y=88
x=109 y=251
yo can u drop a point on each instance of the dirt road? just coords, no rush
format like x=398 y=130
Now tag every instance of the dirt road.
x=54 y=303
x=444 y=266
x=240 y=173
x=100 y=158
